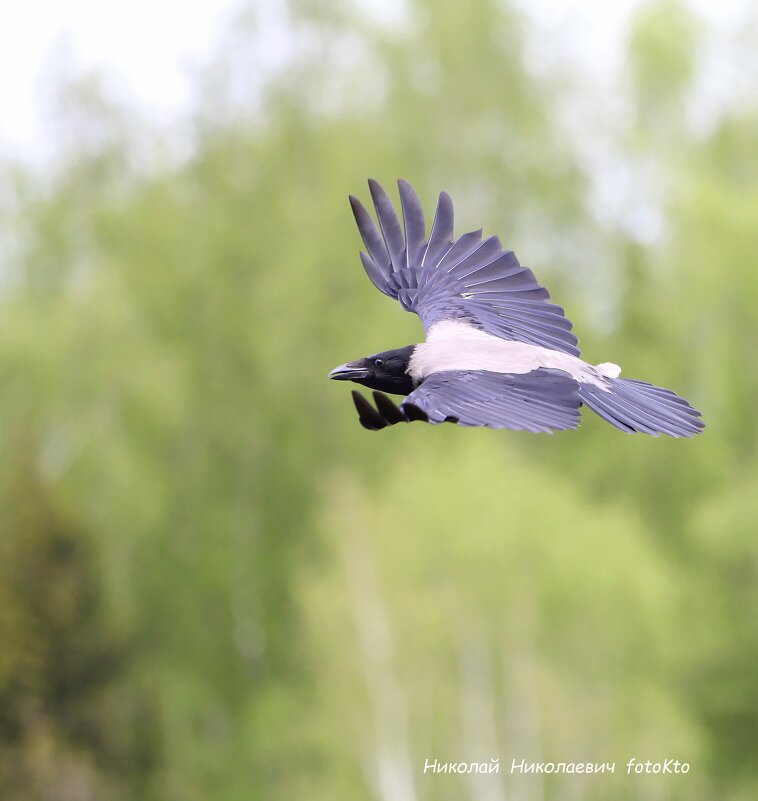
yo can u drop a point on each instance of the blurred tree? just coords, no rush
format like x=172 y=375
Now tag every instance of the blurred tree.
x=73 y=722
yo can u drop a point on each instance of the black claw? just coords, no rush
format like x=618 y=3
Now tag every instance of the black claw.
x=368 y=416
x=388 y=410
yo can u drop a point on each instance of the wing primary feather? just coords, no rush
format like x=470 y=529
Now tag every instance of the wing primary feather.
x=480 y=257
x=368 y=416
x=502 y=265
x=413 y=413
x=413 y=219
x=391 y=413
x=462 y=247
x=441 y=236
x=509 y=280
x=370 y=235
x=376 y=275
x=530 y=305
x=539 y=319
x=388 y=222
x=534 y=294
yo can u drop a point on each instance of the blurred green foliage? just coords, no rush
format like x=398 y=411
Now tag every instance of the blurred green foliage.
x=215 y=584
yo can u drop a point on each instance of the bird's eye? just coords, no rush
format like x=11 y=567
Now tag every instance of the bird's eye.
x=378 y=363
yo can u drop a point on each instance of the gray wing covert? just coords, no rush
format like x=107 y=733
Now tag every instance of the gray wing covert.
x=467 y=279
x=541 y=401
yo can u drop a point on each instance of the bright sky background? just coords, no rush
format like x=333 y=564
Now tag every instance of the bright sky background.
x=149 y=46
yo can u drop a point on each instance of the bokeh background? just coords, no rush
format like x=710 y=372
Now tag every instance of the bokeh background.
x=213 y=583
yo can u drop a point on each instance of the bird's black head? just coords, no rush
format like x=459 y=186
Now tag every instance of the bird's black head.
x=383 y=371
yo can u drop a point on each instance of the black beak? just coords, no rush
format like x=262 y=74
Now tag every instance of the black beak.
x=352 y=371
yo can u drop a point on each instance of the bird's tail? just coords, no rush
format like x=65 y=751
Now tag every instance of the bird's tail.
x=634 y=406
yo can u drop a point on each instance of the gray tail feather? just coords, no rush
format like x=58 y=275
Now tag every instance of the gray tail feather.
x=634 y=406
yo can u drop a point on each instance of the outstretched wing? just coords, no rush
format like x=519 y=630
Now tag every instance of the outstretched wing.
x=541 y=401
x=467 y=279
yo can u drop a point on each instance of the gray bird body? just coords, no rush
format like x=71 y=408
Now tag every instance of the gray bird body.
x=458 y=345
x=497 y=353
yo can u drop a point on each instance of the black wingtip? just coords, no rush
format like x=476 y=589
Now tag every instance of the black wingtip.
x=368 y=416
x=412 y=412
x=391 y=413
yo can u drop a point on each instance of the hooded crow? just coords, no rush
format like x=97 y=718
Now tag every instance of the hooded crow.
x=497 y=353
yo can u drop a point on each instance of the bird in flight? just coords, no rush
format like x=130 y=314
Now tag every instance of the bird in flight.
x=497 y=352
